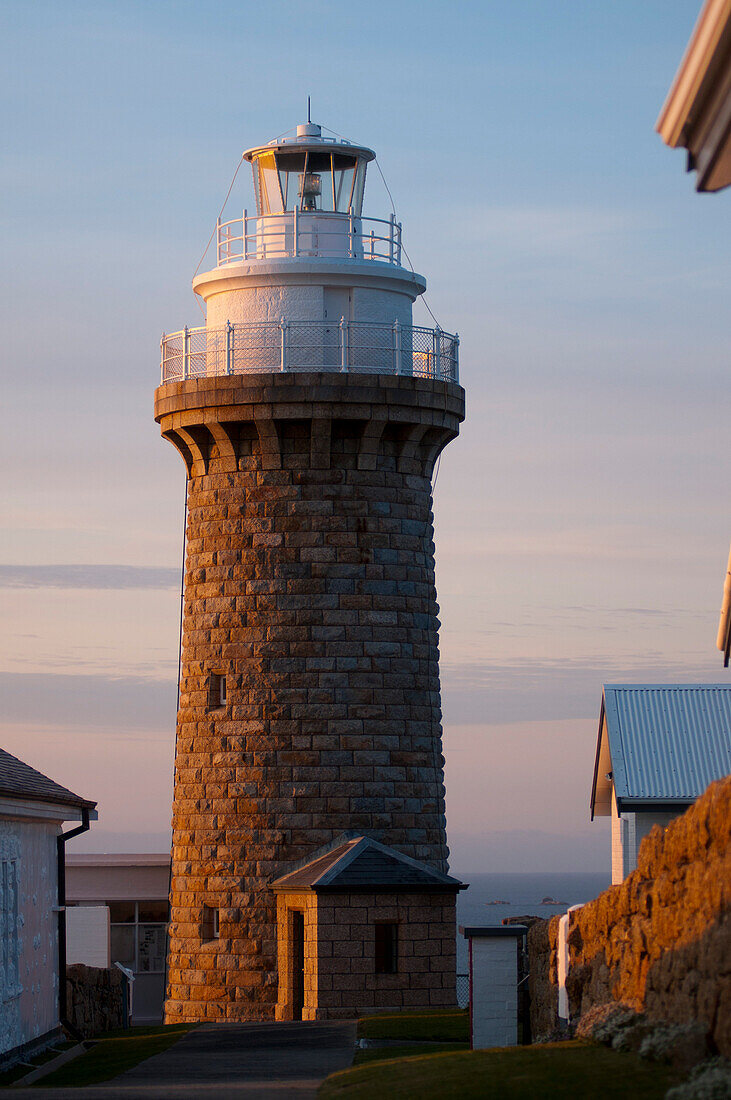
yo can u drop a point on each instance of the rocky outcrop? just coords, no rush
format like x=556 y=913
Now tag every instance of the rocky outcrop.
x=95 y=999
x=659 y=942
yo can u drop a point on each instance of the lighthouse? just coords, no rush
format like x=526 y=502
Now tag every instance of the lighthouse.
x=309 y=861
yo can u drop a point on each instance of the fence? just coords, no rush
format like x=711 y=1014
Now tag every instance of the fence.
x=262 y=346
x=296 y=233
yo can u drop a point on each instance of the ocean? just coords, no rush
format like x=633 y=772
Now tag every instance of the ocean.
x=491 y=897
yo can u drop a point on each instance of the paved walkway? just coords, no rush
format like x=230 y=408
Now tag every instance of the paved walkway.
x=228 y=1062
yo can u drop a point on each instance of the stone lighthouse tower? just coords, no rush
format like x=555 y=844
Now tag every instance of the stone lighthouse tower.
x=309 y=871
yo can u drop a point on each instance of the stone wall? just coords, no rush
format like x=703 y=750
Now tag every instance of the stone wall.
x=660 y=941
x=96 y=999
x=309 y=585
x=340 y=972
x=542 y=941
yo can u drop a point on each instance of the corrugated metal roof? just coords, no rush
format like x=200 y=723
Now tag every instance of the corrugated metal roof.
x=667 y=741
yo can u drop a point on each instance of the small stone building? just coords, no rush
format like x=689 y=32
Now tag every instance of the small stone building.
x=658 y=748
x=362 y=928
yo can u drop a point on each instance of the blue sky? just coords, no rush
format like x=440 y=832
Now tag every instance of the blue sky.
x=582 y=527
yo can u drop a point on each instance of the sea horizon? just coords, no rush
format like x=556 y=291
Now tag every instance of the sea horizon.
x=492 y=896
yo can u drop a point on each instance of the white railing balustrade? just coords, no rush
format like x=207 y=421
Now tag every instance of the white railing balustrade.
x=296 y=233
x=349 y=346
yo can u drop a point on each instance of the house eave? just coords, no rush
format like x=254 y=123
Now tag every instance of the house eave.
x=645 y=805
x=26 y=808
x=696 y=114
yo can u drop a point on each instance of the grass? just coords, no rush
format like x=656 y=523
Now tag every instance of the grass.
x=551 y=1071
x=438 y=1027
x=112 y=1054
x=380 y=1054
x=34 y=1062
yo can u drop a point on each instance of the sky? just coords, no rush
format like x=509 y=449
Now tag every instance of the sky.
x=581 y=518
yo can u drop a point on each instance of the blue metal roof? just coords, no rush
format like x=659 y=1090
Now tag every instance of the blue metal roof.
x=667 y=741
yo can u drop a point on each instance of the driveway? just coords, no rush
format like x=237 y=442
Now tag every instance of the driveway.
x=227 y=1061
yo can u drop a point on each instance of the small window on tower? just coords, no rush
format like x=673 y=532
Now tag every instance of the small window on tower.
x=387 y=947
x=209 y=924
x=217 y=691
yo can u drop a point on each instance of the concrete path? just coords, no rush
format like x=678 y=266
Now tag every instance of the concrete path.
x=228 y=1062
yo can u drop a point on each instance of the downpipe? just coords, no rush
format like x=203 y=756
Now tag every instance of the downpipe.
x=61 y=872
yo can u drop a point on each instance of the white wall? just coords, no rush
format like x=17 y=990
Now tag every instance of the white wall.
x=619 y=826
x=109 y=879
x=29 y=968
x=87 y=935
x=628 y=832
x=494 y=973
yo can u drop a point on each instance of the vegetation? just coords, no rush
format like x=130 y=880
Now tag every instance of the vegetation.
x=112 y=1054
x=438 y=1027
x=551 y=1071
x=22 y=1069
x=380 y=1054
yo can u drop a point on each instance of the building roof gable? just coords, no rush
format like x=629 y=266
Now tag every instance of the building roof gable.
x=360 y=863
x=19 y=780
x=665 y=742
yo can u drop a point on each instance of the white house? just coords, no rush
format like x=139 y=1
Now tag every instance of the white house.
x=658 y=748
x=32 y=933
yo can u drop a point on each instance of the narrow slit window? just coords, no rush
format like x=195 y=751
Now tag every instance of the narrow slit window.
x=210 y=927
x=217 y=697
x=387 y=947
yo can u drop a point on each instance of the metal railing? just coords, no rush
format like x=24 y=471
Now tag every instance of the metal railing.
x=301 y=234
x=359 y=346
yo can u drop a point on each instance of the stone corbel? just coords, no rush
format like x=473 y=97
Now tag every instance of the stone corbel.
x=410 y=444
x=369 y=443
x=271 y=451
x=320 y=443
x=226 y=450
x=182 y=448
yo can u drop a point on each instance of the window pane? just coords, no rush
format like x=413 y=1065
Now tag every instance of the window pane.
x=387 y=948
x=344 y=168
x=121 y=912
x=357 y=204
x=151 y=948
x=269 y=183
x=291 y=166
x=151 y=911
x=123 y=945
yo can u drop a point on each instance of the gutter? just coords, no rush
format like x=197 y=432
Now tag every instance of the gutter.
x=723 y=641
x=61 y=864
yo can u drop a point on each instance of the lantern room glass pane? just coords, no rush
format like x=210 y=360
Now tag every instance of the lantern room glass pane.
x=311 y=180
x=357 y=201
x=344 y=186
x=271 y=196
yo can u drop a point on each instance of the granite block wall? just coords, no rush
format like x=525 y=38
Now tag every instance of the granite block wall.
x=309 y=586
x=660 y=941
x=341 y=980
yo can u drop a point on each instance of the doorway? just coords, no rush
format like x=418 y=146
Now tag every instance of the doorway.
x=298 y=964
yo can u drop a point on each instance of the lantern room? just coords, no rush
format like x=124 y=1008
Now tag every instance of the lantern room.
x=310 y=174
